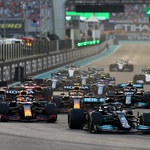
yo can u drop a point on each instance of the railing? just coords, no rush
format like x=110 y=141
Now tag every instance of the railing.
x=16 y=51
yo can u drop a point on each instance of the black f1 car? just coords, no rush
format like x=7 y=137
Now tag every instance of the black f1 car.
x=129 y=95
x=77 y=97
x=143 y=77
x=121 y=65
x=110 y=117
x=26 y=108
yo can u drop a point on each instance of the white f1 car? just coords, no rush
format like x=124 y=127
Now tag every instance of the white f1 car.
x=121 y=65
x=143 y=77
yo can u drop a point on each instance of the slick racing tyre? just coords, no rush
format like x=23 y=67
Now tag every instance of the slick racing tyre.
x=139 y=79
x=95 y=118
x=131 y=67
x=51 y=111
x=111 y=67
x=145 y=119
x=47 y=93
x=4 y=109
x=57 y=100
x=43 y=103
x=76 y=119
x=146 y=97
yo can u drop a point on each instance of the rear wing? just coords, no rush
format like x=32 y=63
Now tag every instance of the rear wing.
x=108 y=80
x=39 y=81
x=146 y=69
x=99 y=69
x=16 y=92
x=2 y=92
x=72 y=66
x=81 y=87
x=30 y=78
x=139 y=85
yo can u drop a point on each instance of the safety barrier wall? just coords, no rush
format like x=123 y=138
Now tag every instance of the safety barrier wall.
x=38 y=64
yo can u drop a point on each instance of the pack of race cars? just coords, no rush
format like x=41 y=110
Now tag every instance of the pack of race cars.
x=91 y=98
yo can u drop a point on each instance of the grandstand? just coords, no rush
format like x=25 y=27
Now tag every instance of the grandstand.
x=27 y=13
x=14 y=8
x=133 y=13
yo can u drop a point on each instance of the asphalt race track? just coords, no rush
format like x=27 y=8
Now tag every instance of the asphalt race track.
x=57 y=136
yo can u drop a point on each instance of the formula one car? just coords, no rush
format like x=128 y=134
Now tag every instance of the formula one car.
x=130 y=95
x=74 y=98
x=143 y=77
x=26 y=108
x=65 y=101
x=69 y=71
x=121 y=65
x=34 y=87
x=109 y=117
x=102 y=85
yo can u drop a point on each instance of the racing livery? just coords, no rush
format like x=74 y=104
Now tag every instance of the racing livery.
x=143 y=77
x=26 y=108
x=121 y=65
x=110 y=117
x=130 y=94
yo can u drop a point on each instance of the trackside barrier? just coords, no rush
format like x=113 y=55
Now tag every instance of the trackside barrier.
x=18 y=50
x=38 y=64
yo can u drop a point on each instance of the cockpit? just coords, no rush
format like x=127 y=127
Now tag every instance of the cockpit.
x=76 y=93
x=24 y=98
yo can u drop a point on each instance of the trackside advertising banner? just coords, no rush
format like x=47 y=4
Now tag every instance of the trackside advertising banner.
x=12 y=26
x=128 y=27
x=129 y=31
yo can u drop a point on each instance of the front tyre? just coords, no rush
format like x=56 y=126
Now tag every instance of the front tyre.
x=51 y=112
x=76 y=119
x=95 y=119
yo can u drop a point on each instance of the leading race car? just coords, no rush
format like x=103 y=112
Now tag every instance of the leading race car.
x=143 y=77
x=26 y=108
x=121 y=65
x=110 y=117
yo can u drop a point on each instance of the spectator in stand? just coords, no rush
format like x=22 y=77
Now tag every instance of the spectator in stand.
x=14 y=8
x=133 y=12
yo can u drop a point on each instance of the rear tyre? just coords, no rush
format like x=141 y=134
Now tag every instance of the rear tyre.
x=146 y=97
x=111 y=67
x=57 y=101
x=4 y=110
x=131 y=67
x=76 y=119
x=138 y=79
x=145 y=120
x=47 y=93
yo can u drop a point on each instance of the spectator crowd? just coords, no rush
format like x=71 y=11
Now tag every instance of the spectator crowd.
x=17 y=8
x=133 y=12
